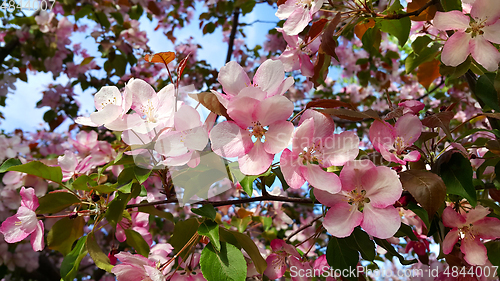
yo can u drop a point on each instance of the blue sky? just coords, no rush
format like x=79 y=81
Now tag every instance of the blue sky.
x=21 y=111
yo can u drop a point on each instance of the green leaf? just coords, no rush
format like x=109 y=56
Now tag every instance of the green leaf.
x=420 y=212
x=41 y=170
x=115 y=209
x=340 y=256
x=420 y=43
x=71 y=262
x=9 y=163
x=83 y=182
x=414 y=60
x=279 y=174
x=95 y=252
x=406 y=230
x=55 y=202
x=247 y=182
x=427 y=188
x=485 y=90
x=141 y=174
x=360 y=241
x=136 y=240
x=226 y=265
x=211 y=230
x=455 y=72
x=493 y=248
x=450 y=5
x=241 y=223
x=183 y=231
x=371 y=40
x=457 y=175
x=103 y=19
x=206 y=210
x=241 y=240
x=391 y=252
x=155 y=212
x=63 y=233
x=399 y=28
x=104 y=188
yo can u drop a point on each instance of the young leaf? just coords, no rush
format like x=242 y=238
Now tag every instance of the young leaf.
x=55 y=202
x=328 y=40
x=210 y=101
x=228 y=264
x=206 y=210
x=328 y=103
x=95 y=252
x=426 y=15
x=427 y=188
x=399 y=28
x=71 y=262
x=63 y=233
x=457 y=175
x=164 y=57
x=428 y=72
x=211 y=230
x=441 y=119
x=136 y=240
x=351 y=114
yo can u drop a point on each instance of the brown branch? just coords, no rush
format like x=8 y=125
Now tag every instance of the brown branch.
x=410 y=14
x=302 y=228
x=232 y=202
x=232 y=36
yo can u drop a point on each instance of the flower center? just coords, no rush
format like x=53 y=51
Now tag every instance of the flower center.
x=310 y=155
x=307 y=4
x=475 y=28
x=257 y=130
x=466 y=232
x=357 y=198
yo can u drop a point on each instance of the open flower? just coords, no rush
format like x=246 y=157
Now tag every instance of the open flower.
x=298 y=14
x=315 y=147
x=24 y=222
x=296 y=55
x=392 y=141
x=136 y=267
x=367 y=197
x=277 y=261
x=473 y=35
x=470 y=228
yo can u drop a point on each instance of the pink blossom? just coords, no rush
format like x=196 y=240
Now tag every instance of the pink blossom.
x=25 y=222
x=314 y=147
x=411 y=106
x=139 y=223
x=297 y=54
x=393 y=141
x=472 y=36
x=367 y=197
x=470 y=228
x=254 y=118
x=277 y=261
x=268 y=80
x=298 y=14
x=189 y=273
x=136 y=267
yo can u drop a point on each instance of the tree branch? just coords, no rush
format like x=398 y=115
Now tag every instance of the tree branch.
x=302 y=228
x=232 y=202
x=234 y=28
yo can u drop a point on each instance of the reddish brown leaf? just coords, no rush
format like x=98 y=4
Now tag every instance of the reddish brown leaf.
x=154 y=8
x=441 y=120
x=426 y=15
x=320 y=68
x=210 y=101
x=427 y=188
x=281 y=2
x=316 y=29
x=328 y=103
x=351 y=114
x=125 y=3
x=328 y=42
x=428 y=72
x=493 y=146
x=164 y=57
x=182 y=65
x=363 y=26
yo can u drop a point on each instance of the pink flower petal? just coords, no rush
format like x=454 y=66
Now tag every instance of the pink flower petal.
x=241 y=110
x=485 y=53
x=233 y=78
x=409 y=128
x=286 y=9
x=328 y=199
x=144 y=97
x=382 y=186
x=278 y=136
x=229 y=140
x=476 y=214
x=290 y=168
x=341 y=219
x=126 y=257
x=276 y=266
x=413 y=156
x=321 y=179
x=29 y=199
x=450 y=240
x=323 y=124
x=107 y=95
x=306 y=66
x=106 y=115
x=19 y=226
x=303 y=137
x=126 y=122
x=37 y=237
x=154 y=273
x=485 y=10
x=487 y=228
x=269 y=75
x=353 y=172
x=380 y=223
x=452 y=218
x=492 y=32
x=340 y=149
x=455 y=20
x=186 y=118
x=273 y=109
x=257 y=161
x=297 y=21
x=474 y=251
x=456 y=49
x=252 y=92
x=282 y=88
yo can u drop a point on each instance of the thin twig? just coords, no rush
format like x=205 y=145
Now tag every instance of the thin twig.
x=302 y=228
